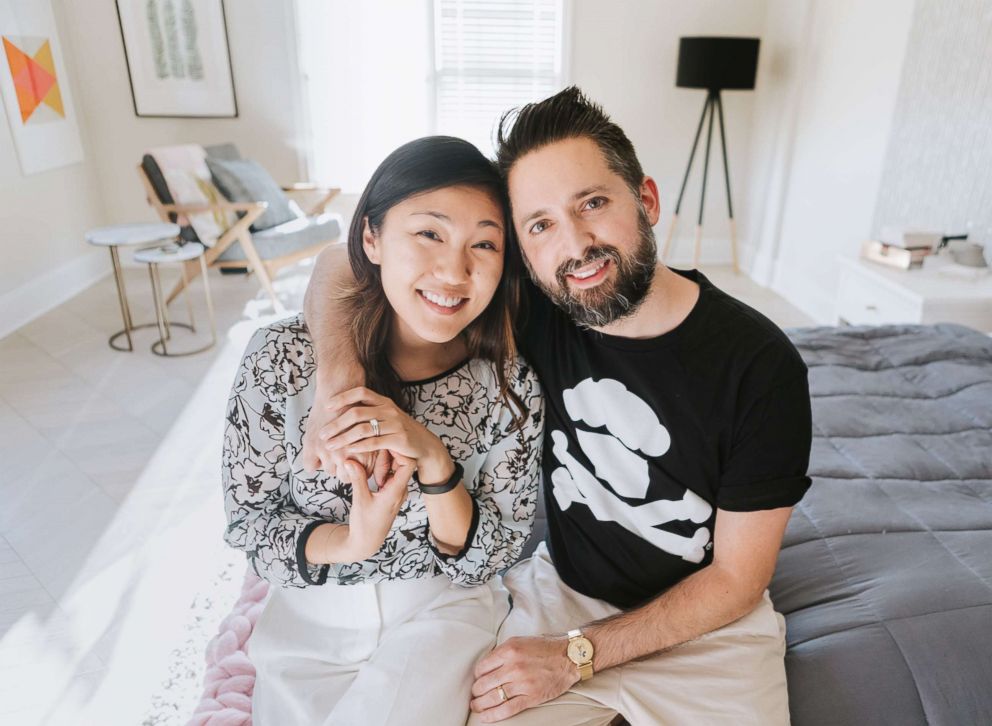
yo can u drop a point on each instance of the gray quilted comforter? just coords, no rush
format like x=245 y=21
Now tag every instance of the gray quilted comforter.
x=885 y=576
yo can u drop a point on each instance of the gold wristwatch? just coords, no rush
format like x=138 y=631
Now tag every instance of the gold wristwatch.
x=580 y=652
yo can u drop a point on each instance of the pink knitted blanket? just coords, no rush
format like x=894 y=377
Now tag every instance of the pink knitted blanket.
x=230 y=675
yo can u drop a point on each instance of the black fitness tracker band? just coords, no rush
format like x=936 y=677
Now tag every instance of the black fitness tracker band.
x=444 y=486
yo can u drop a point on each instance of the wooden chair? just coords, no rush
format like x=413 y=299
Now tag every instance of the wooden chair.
x=265 y=252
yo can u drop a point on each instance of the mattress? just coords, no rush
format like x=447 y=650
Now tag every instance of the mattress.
x=885 y=574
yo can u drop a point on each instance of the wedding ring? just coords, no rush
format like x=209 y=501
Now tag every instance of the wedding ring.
x=502 y=694
x=375 y=426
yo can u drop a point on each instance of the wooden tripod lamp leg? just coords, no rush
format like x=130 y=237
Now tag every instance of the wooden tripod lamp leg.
x=668 y=239
x=726 y=178
x=702 y=193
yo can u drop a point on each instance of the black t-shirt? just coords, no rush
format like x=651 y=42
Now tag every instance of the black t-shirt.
x=646 y=438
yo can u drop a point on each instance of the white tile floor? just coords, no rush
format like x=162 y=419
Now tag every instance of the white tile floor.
x=111 y=513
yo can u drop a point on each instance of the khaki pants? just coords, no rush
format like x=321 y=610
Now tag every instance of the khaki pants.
x=734 y=675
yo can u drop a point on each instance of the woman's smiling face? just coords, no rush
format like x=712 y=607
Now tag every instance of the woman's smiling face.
x=440 y=255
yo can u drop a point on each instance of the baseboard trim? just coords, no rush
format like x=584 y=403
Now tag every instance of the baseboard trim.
x=803 y=291
x=49 y=290
x=712 y=252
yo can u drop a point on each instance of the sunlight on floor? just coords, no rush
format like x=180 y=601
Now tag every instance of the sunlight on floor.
x=98 y=655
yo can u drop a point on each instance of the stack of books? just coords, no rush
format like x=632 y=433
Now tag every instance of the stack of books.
x=901 y=248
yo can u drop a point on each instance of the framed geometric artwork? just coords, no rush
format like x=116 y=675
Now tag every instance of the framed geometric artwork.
x=177 y=57
x=34 y=88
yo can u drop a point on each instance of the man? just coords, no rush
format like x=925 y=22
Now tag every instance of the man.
x=677 y=441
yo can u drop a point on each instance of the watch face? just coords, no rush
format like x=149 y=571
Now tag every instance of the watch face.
x=579 y=650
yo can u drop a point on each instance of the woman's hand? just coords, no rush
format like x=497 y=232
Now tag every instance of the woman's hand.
x=372 y=513
x=351 y=434
x=314 y=456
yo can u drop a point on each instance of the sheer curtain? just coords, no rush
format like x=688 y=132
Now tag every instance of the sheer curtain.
x=366 y=83
x=378 y=73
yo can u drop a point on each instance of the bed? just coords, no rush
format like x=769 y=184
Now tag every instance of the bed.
x=885 y=574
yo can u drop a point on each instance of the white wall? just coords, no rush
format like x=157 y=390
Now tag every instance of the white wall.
x=266 y=80
x=806 y=148
x=43 y=217
x=624 y=55
x=936 y=173
x=825 y=105
x=368 y=76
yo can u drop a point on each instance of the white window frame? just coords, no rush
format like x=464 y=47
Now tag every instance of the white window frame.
x=564 y=76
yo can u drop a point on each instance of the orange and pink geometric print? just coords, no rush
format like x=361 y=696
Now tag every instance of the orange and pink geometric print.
x=33 y=74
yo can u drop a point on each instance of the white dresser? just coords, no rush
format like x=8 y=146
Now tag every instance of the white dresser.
x=873 y=294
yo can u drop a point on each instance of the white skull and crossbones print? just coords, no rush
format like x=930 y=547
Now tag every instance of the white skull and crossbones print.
x=620 y=458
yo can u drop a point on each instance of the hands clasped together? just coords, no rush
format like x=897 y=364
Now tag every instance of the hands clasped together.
x=360 y=434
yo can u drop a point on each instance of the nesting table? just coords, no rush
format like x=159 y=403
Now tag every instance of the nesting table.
x=162 y=237
x=173 y=253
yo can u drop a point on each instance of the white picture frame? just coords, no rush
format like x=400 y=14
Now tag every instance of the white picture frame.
x=35 y=87
x=178 y=58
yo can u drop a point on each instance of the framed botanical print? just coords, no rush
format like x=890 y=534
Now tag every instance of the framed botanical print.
x=178 y=59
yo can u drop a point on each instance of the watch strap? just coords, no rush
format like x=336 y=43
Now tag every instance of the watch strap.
x=443 y=487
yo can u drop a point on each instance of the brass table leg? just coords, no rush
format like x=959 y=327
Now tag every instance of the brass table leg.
x=189 y=303
x=122 y=299
x=129 y=326
x=163 y=334
x=159 y=346
x=210 y=302
x=163 y=305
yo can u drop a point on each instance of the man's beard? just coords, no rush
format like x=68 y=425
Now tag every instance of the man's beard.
x=609 y=301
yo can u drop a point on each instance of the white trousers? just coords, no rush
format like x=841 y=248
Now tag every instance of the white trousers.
x=399 y=652
x=733 y=676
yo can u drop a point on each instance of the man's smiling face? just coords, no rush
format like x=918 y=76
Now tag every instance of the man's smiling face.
x=585 y=236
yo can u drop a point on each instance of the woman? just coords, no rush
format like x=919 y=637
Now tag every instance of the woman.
x=384 y=595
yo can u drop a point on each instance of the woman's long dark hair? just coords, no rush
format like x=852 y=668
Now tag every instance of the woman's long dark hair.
x=424 y=165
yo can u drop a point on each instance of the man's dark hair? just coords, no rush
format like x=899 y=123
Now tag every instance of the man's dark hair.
x=568 y=114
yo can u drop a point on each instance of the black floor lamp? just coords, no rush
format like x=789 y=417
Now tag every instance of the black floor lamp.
x=716 y=64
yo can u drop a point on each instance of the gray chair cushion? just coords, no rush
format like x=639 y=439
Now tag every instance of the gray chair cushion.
x=289 y=237
x=244 y=180
x=226 y=151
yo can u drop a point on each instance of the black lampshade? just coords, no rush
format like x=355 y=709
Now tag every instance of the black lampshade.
x=717 y=63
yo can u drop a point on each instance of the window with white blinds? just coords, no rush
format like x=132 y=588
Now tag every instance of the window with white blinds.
x=492 y=55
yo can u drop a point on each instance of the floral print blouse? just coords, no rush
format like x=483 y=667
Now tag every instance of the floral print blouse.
x=272 y=505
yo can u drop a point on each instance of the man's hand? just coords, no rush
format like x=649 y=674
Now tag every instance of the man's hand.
x=316 y=455
x=324 y=311
x=530 y=670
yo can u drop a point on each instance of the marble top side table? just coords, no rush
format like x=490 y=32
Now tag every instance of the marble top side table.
x=129 y=235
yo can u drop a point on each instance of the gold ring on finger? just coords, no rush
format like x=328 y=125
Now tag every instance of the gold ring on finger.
x=502 y=694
